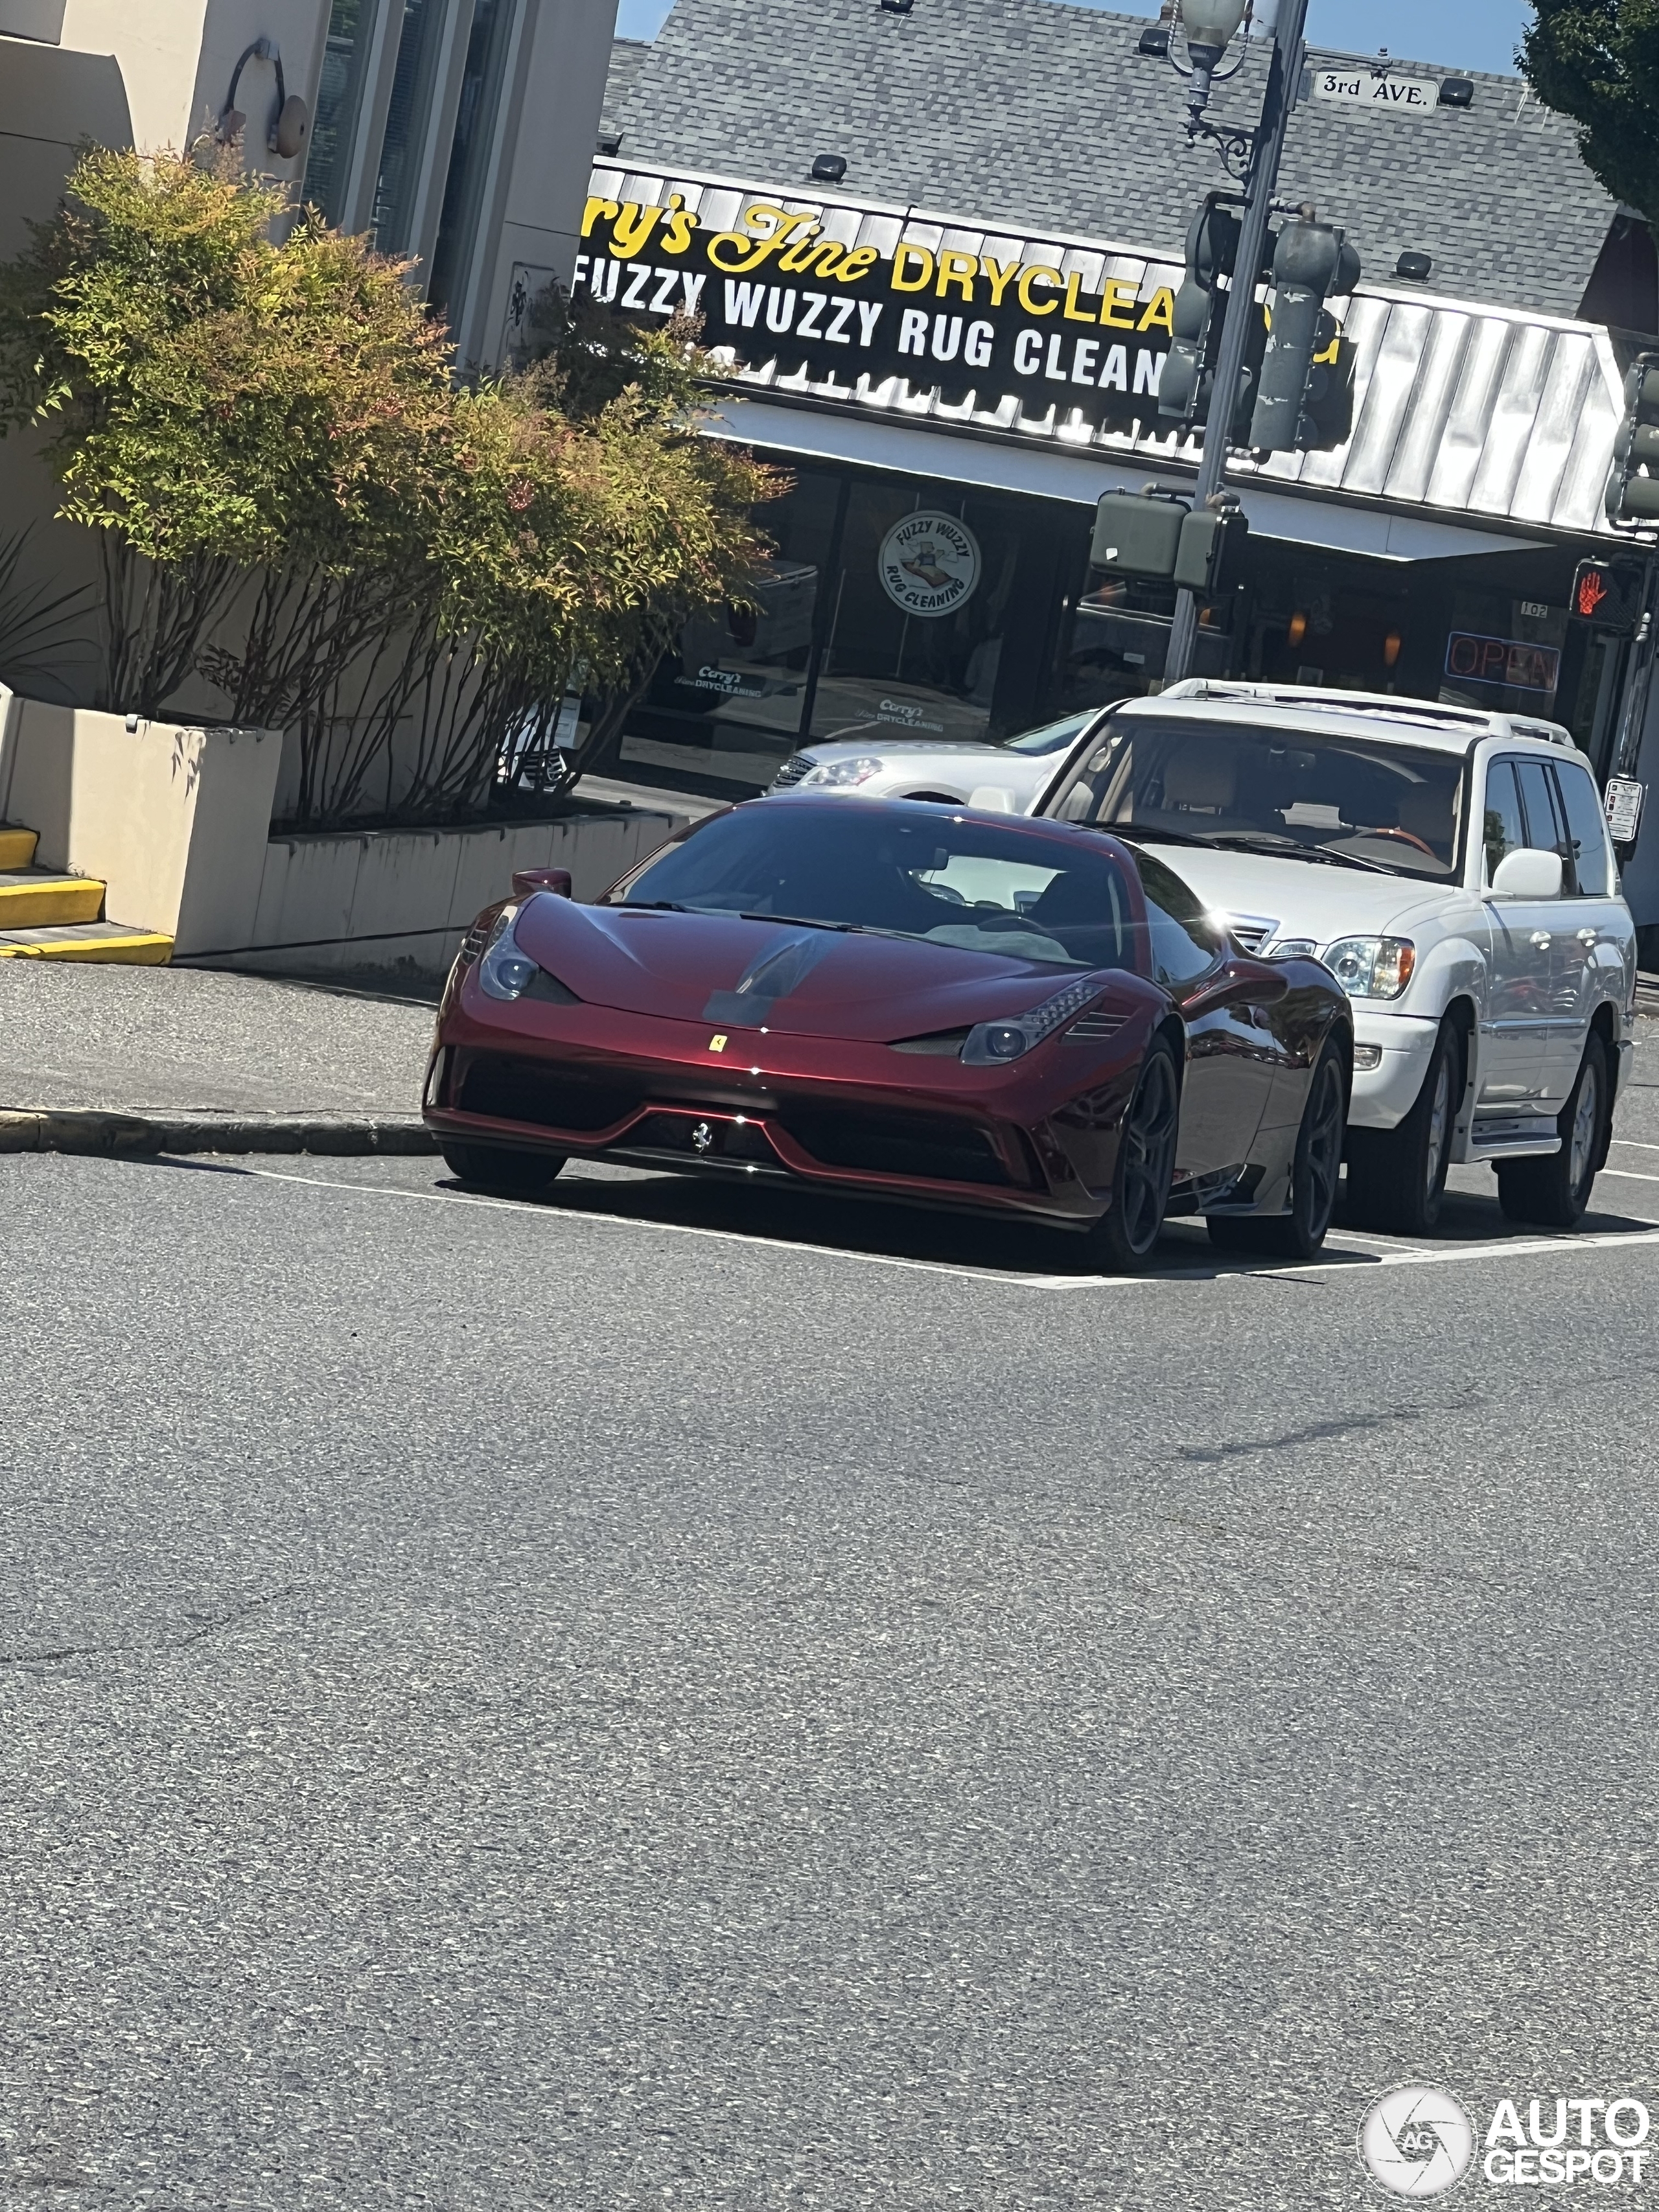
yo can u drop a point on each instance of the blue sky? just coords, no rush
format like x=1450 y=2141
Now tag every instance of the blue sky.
x=1467 y=34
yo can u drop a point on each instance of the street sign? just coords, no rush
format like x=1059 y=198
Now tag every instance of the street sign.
x=1623 y=800
x=1377 y=90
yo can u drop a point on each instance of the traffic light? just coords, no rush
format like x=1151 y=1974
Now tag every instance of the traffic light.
x=1196 y=326
x=1160 y=536
x=1608 y=593
x=1633 y=495
x=1311 y=261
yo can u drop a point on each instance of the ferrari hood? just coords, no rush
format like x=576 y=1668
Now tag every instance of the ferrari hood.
x=1304 y=898
x=722 y=969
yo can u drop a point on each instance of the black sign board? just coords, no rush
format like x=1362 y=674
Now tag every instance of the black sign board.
x=777 y=289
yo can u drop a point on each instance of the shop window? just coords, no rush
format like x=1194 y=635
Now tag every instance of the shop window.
x=476 y=117
x=728 y=698
x=1119 y=643
x=418 y=44
x=914 y=637
x=1502 y=653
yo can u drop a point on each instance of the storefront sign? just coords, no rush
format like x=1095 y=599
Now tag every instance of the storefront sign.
x=929 y=564
x=776 y=289
x=1509 y=662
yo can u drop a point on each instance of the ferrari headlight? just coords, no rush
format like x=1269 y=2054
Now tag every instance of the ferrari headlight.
x=990 y=1043
x=1372 y=967
x=505 y=972
x=846 y=771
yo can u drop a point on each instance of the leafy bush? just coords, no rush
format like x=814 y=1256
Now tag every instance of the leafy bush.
x=295 y=500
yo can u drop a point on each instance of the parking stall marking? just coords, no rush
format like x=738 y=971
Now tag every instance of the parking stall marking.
x=1361 y=1260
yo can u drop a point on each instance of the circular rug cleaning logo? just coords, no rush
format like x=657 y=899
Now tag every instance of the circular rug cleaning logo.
x=929 y=564
x=1417 y=2140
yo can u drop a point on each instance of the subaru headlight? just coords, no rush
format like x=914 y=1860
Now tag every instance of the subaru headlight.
x=990 y=1043
x=1372 y=967
x=505 y=972
x=844 y=772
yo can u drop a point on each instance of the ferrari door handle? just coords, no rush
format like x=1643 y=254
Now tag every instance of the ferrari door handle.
x=1540 y=939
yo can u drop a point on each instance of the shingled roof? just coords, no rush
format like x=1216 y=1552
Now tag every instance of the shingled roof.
x=1038 y=115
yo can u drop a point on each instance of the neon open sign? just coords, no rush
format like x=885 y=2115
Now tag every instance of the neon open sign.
x=1509 y=662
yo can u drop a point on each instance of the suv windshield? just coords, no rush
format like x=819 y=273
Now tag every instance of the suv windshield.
x=912 y=872
x=1368 y=802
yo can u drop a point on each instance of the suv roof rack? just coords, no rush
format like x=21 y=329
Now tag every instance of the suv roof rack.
x=1424 y=713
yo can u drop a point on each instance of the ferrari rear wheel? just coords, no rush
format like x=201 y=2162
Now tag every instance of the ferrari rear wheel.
x=1298 y=1234
x=1122 y=1240
x=494 y=1167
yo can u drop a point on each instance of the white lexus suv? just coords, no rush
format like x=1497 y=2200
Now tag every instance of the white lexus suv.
x=1453 y=871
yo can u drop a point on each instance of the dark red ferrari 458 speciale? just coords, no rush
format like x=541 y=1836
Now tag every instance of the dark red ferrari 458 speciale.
x=906 y=1001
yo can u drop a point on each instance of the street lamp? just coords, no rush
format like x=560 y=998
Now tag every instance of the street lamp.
x=1210 y=27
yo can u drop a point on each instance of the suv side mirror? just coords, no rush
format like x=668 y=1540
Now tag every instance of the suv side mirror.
x=526 y=880
x=1529 y=872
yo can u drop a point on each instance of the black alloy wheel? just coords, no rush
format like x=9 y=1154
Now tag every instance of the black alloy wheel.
x=1397 y=1177
x=1298 y=1234
x=1553 y=1192
x=1122 y=1240
x=494 y=1167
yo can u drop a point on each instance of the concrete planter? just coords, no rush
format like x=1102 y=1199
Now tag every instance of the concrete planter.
x=173 y=818
x=396 y=903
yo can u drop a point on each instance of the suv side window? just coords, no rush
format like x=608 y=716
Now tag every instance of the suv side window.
x=1505 y=828
x=1185 y=941
x=1545 y=829
x=1588 y=870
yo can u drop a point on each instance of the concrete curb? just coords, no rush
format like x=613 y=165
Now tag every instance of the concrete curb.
x=94 y=1130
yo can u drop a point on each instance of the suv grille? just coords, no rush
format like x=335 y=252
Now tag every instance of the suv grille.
x=797 y=766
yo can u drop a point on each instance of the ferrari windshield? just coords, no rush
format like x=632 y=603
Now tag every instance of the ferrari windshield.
x=901 y=872
x=1313 y=795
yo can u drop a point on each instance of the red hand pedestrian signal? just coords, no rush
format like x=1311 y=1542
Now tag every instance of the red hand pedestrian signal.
x=1592 y=589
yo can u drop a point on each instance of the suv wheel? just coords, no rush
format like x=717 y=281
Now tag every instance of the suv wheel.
x=1397 y=1177
x=1554 y=1192
x=494 y=1167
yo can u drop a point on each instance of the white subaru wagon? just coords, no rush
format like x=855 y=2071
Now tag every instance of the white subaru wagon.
x=1451 y=868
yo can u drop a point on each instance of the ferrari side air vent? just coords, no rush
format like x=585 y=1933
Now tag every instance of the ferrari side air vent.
x=1089 y=1027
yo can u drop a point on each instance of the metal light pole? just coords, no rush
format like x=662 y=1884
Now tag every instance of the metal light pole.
x=1208 y=29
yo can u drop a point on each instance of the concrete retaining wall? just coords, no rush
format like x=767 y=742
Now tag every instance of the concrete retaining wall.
x=396 y=903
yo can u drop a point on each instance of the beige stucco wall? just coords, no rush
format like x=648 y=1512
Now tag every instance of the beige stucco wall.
x=177 y=57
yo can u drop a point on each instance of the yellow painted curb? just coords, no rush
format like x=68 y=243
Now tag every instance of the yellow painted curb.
x=17 y=848
x=134 y=951
x=37 y=902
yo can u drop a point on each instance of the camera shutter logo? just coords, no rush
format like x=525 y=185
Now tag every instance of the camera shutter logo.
x=929 y=564
x=1417 y=2140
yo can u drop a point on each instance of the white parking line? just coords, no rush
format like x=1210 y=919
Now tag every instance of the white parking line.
x=1365 y=1258
x=1629 y=1175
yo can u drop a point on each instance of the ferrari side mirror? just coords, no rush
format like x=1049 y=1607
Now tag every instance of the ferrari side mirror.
x=528 y=880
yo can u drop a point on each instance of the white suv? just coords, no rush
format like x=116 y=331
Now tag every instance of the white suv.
x=1451 y=868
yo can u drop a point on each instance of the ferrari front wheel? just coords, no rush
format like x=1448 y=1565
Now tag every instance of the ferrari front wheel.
x=495 y=1167
x=1121 y=1241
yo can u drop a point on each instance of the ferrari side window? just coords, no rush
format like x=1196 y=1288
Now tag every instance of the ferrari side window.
x=1185 y=941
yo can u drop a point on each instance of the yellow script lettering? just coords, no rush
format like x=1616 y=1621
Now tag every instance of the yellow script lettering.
x=1052 y=281
x=681 y=224
x=1000 y=277
x=597 y=212
x=1117 y=306
x=1158 y=313
x=1070 y=309
x=903 y=254
x=960 y=270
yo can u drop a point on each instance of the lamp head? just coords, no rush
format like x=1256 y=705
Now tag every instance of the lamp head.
x=1211 y=24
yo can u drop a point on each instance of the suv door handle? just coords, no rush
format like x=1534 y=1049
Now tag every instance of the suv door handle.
x=1540 y=939
x=1589 y=936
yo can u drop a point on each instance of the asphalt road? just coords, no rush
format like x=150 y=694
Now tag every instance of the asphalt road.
x=670 y=1697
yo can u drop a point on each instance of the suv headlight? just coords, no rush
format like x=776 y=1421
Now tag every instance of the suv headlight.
x=505 y=972
x=846 y=771
x=1372 y=967
x=990 y=1043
